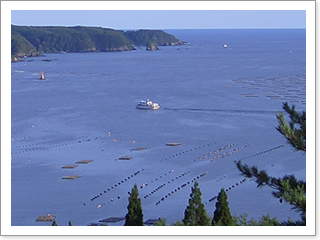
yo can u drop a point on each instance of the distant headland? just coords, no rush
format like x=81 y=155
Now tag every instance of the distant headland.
x=29 y=41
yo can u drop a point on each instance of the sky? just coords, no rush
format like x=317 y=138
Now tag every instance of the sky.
x=162 y=15
x=163 y=19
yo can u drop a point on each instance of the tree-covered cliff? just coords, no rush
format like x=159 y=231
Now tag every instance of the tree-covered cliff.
x=31 y=40
x=147 y=37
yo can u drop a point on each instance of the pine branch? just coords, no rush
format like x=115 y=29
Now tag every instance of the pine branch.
x=296 y=137
x=288 y=188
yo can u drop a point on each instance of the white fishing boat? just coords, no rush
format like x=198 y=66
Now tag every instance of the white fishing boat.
x=148 y=105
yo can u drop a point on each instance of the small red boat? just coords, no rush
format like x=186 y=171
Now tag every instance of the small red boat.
x=42 y=76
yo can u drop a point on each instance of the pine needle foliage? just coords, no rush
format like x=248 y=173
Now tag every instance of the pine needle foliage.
x=295 y=130
x=134 y=217
x=222 y=215
x=287 y=188
x=195 y=214
x=160 y=222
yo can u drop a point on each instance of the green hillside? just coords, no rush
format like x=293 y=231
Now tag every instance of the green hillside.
x=32 y=40
x=147 y=37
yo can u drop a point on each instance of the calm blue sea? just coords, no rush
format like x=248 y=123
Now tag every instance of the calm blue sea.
x=218 y=102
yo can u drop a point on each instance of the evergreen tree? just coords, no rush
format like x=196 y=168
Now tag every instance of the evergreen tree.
x=287 y=188
x=195 y=214
x=222 y=215
x=242 y=220
x=267 y=221
x=296 y=136
x=177 y=223
x=264 y=221
x=160 y=222
x=134 y=216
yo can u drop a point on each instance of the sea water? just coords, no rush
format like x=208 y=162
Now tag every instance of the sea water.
x=218 y=102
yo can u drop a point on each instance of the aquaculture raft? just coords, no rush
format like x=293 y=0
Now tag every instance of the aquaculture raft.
x=69 y=166
x=125 y=158
x=85 y=161
x=173 y=144
x=138 y=149
x=71 y=177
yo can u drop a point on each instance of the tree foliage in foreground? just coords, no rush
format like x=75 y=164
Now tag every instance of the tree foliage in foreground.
x=195 y=213
x=287 y=188
x=265 y=220
x=160 y=222
x=295 y=130
x=134 y=217
x=222 y=215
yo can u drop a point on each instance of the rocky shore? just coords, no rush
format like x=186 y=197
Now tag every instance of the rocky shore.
x=154 y=46
x=17 y=58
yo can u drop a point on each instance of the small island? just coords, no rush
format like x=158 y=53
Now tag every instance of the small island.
x=30 y=41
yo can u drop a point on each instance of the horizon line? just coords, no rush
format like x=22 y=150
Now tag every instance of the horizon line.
x=124 y=29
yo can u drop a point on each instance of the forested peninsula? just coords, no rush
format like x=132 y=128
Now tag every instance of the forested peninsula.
x=34 y=40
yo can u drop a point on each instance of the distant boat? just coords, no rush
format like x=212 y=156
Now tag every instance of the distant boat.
x=225 y=46
x=42 y=76
x=148 y=105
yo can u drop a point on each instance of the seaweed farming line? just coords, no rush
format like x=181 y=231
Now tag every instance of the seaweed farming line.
x=47 y=142
x=226 y=154
x=228 y=189
x=179 y=188
x=204 y=156
x=260 y=153
x=163 y=184
x=186 y=151
x=223 y=110
x=143 y=185
x=116 y=185
x=211 y=153
x=52 y=146
x=278 y=88
x=201 y=175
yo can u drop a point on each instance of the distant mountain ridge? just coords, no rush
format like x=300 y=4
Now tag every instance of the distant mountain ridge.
x=33 y=40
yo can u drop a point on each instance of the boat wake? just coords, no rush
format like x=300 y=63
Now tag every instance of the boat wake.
x=222 y=110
